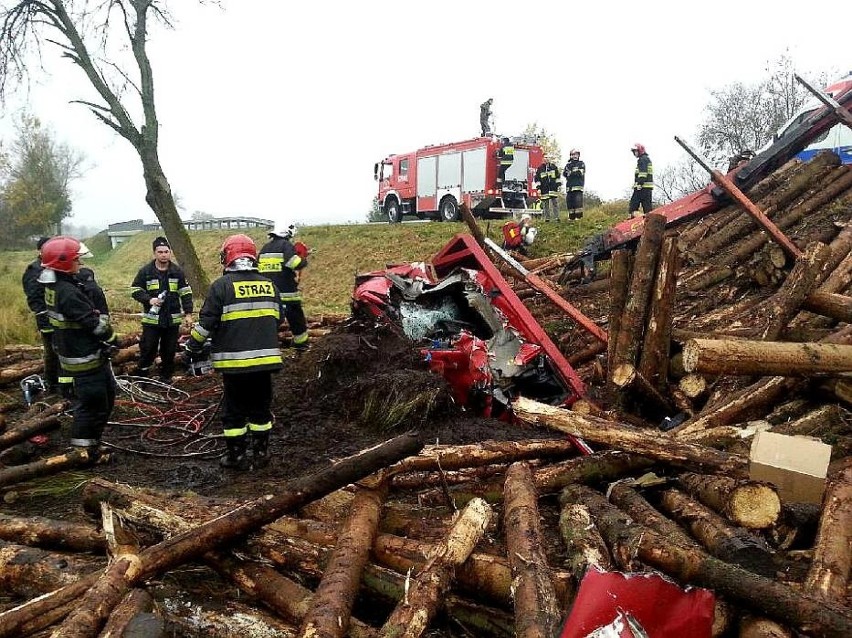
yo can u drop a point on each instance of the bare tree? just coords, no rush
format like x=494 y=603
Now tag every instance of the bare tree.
x=93 y=35
x=546 y=140
x=679 y=179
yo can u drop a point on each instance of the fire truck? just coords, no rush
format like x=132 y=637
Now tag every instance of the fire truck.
x=433 y=181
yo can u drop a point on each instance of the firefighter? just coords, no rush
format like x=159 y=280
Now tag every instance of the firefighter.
x=83 y=338
x=643 y=182
x=241 y=316
x=485 y=116
x=575 y=182
x=34 y=291
x=160 y=286
x=517 y=236
x=547 y=177
x=740 y=159
x=506 y=155
x=282 y=262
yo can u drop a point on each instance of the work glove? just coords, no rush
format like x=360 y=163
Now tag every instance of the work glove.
x=109 y=346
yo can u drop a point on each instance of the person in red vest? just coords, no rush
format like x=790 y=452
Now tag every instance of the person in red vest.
x=517 y=236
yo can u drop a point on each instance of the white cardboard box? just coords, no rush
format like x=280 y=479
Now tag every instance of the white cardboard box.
x=796 y=465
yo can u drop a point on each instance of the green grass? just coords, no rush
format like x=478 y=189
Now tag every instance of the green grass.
x=339 y=253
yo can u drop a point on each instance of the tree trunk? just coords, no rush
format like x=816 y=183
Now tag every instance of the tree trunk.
x=631 y=330
x=778 y=601
x=832 y=305
x=618 y=435
x=626 y=376
x=177 y=550
x=829 y=573
x=723 y=540
x=756 y=627
x=583 y=542
x=653 y=362
x=412 y=616
x=599 y=467
x=766 y=358
x=159 y=198
x=45 y=532
x=136 y=602
x=30 y=572
x=745 y=503
x=619 y=274
x=233 y=620
x=333 y=599
x=35 y=424
x=45 y=467
x=537 y=612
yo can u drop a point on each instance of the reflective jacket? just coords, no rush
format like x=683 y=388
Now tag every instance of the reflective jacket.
x=34 y=290
x=79 y=328
x=241 y=316
x=151 y=282
x=279 y=261
x=547 y=176
x=506 y=154
x=644 y=174
x=575 y=175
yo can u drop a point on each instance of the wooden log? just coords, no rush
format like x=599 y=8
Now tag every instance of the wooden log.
x=746 y=503
x=626 y=376
x=728 y=437
x=624 y=437
x=20 y=371
x=412 y=616
x=29 y=572
x=598 y=467
x=807 y=274
x=769 y=358
x=36 y=423
x=38 y=531
x=826 y=419
x=242 y=520
x=758 y=627
x=46 y=467
x=583 y=542
x=577 y=359
x=653 y=361
x=839 y=389
x=126 y=614
x=776 y=600
x=693 y=385
x=631 y=331
x=830 y=569
x=231 y=620
x=537 y=613
x=723 y=540
x=332 y=603
x=620 y=272
x=832 y=305
x=640 y=510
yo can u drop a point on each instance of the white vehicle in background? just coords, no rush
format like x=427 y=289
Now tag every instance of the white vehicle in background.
x=838 y=138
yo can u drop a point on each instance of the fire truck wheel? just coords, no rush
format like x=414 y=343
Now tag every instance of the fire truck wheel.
x=449 y=209
x=394 y=212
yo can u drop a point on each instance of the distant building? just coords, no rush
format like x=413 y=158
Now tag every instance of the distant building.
x=120 y=232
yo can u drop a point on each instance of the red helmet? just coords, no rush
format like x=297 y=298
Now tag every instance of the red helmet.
x=638 y=148
x=60 y=253
x=237 y=246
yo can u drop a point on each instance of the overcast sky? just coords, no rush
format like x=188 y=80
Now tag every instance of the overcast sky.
x=280 y=109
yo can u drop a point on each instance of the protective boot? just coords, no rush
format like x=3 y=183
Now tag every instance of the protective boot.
x=260 y=449
x=236 y=458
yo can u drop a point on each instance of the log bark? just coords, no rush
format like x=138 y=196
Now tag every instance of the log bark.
x=598 y=467
x=723 y=540
x=653 y=362
x=127 y=613
x=38 y=531
x=624 y=437
x=233 y=620
x=757 y=627
x=626 y=376
x=830 y=570
x=332 y=603
x=238 y=522
x=29 y=572
x=769 y=358
x=37 y=423
x=745 y=503
x=46 y=467
x=828 y=304
x=619 y=274
x=631 y=331
x=693 y=385
x=780 y=602
x=583 y=542
x=412 y=616
x=537 y=612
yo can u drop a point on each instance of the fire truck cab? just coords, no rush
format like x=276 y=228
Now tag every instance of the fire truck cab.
x=433 y=181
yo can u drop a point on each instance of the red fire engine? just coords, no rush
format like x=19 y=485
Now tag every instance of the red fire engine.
x=435 y=180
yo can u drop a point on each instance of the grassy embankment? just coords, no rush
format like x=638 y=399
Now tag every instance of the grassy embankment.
x=339 y=253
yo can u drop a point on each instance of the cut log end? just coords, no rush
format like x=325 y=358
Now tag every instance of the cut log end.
x=754 y=506
x=623 y=375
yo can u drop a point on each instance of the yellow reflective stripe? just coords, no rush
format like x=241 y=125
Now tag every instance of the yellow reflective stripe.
x=260 y=427
x=135 y=289
x=293 y=262
x=290 y=297
x=246 y=363
x=186 y=290
x=65 y=325
x=300 y=339
x=250 y=314
x=65 y=379
x=235 y=432
x=199 y=334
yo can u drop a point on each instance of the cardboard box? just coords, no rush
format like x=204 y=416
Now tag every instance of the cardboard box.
x=796 y=465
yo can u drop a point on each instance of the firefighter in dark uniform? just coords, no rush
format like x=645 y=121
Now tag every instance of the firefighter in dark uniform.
x=643 y=182
x=282 y=262
x=160 y=286
x=575 y=182
x=83 y=338
x=506 y=155
x=485 y=116
x=241 y=316
x=34 y=292
x=547 y=177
